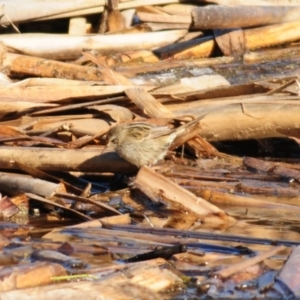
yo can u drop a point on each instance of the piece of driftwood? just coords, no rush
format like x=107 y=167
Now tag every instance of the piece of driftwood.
x=28 y=275
x=230 y=41
x=78 y=26
x=182 y=9
x=157 y=186
x=272 y=35
x=7 y=207
x=165 y=65
x=15 y=183
x=166 y=26
x=98 y=9
x=34 y=66
x=47 y=177
x=259 y=117
x=197 y=83
x=150 y=17
x=271 y=54
x=220 y=198
x=143 y=280
x=285 y=171
x=85 y=160
x=35 y=9
x=54 y=130
x=20 y=108
x=59 y=46
x=249 y=262
x=202 y=47
x=218 y=17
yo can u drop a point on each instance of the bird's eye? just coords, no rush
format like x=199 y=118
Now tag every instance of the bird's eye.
x=114 y=140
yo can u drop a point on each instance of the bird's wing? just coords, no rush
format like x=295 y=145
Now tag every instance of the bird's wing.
x=144 y=131
x=159 y=131
x=138 y=131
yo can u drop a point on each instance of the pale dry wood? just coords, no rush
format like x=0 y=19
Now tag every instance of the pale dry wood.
x=189 y=84
x=137 y=282
x=133 y=93
x=166 y=26
x=47 y=177
x=251 y=98
x=271 y=35
x=181 y=221
x=157 y=186
x=28 y=275
x=25 y=10
x=157 y=262
x=64 y=46
x=20 y=107
x=83 y=290
x=230 y=41
x=78 y=26
x=8 y=208
x=36 y=66
x=5 y=80
x=284 y=170
x=39 y=96
x=178 y=9
x=252 y=117
x=137 y=57
x=155 y=278
x=128 y=15
x=243 y=89
x=218 y=17
x=116 y=112
x=147 y=103
x=85 y=124
x=192 y=35
x=272 y=54
x=18 y=183
x=224 y=273
x=151 y=9
x=119 y=236
x=120 y=219
x=151 y=17
x=92 y=223
x=85 y=160
x=202 y=47
x=220 y=198
x=135 y=68
x=288 y=86
x=52 y=82
x=122 y=5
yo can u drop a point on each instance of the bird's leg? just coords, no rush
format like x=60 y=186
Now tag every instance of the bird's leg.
x=182 y=151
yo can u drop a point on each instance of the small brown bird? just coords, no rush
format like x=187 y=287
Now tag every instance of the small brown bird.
x=142 y=143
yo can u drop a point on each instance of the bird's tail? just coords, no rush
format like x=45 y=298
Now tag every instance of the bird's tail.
x=190 y=124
